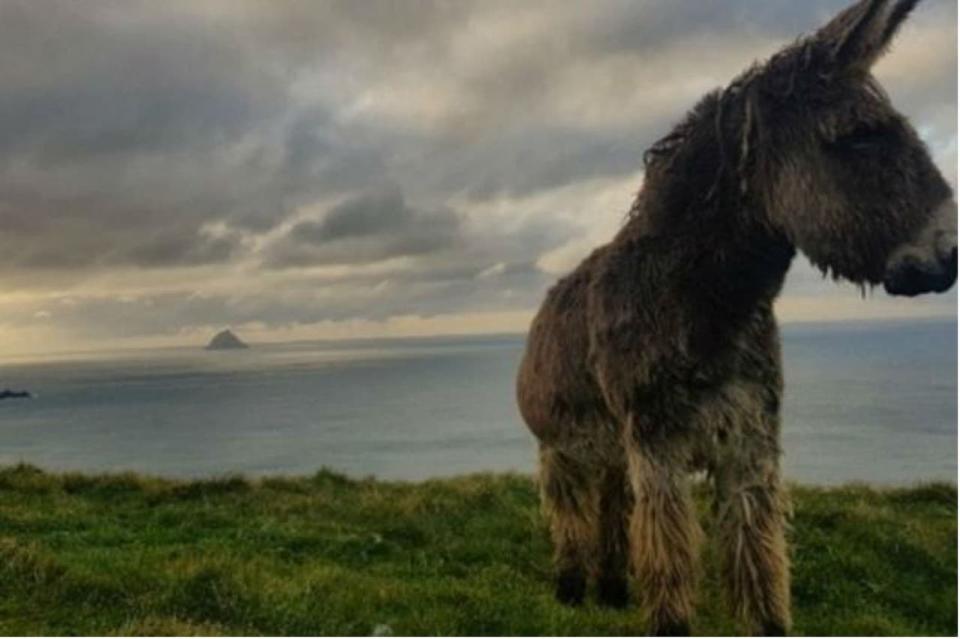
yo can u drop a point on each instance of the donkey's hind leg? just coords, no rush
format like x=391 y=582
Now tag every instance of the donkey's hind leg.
x=615 y=507
x=569 y=500
x=664 y=538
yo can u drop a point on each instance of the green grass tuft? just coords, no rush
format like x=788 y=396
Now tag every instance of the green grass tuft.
x=132 y=555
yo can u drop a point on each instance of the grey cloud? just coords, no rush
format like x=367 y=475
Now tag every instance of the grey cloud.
x=375 y=213
x=322 y=154
x=92 y=232
x=526 y=161
x=177 y=248
x=81 y=82
x=369 y=227
x=115 y=136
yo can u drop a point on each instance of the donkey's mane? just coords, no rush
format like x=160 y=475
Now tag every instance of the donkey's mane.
x=662 y=153
x=734 y=113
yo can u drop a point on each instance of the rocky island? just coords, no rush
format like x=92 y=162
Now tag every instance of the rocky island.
x=225 y=341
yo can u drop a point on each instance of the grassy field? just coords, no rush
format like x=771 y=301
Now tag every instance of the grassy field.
x=125 y=554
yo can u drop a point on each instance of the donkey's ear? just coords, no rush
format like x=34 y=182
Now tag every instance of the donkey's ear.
x=857 y=37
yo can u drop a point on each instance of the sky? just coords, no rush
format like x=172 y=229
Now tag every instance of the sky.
x=300 y=170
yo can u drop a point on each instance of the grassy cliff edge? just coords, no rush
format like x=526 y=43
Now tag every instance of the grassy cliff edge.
x=126 y=554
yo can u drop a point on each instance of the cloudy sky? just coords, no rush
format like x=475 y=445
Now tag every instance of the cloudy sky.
x=331 y=169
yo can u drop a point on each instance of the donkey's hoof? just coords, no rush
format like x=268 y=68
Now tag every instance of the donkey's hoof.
x=571 y=587
x=671 y=629
x=613 y=592
x=773 y=629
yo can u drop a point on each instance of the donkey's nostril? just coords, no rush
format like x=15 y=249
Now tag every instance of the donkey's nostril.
x=914 y=277
x=906 y=280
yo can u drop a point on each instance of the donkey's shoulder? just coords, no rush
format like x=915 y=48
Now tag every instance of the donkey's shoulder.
x=639 y=270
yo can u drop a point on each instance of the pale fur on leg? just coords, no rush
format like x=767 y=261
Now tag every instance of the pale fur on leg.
x=664 y=540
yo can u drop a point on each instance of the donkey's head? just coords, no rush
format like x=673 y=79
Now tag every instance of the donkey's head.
x=841 y=173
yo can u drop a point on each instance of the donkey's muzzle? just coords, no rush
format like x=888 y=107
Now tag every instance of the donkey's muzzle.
x=915 y=277
x=928 y=263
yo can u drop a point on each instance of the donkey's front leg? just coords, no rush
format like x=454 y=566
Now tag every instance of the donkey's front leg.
x=752 y=509
x=664 y=536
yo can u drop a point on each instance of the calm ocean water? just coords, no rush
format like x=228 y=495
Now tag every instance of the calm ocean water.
x=870 y=402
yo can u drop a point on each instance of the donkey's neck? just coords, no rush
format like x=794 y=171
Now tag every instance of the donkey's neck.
x=725 y=252
x=693 y=200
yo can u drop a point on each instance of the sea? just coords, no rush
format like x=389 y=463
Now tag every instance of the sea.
x=865 y=402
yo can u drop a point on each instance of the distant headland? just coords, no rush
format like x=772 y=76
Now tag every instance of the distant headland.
x=225 y=341
x=13 y=394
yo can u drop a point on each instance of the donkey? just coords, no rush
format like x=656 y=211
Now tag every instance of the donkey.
x=659 y=354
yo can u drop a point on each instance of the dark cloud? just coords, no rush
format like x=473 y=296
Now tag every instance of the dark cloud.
x=377 y=213
x=369 y=227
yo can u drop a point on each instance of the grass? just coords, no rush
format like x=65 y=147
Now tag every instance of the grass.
x=125 y=554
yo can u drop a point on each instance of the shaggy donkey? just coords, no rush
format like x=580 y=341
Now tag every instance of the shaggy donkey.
x=659 y=355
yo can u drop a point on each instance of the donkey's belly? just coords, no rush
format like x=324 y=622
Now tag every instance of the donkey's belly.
x=562 y=410
x=556 y=391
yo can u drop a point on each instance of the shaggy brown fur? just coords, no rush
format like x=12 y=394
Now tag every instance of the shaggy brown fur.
x=659 y=355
